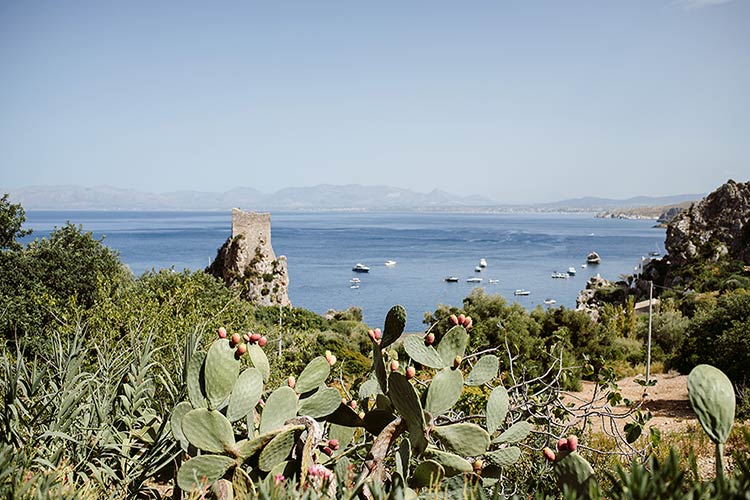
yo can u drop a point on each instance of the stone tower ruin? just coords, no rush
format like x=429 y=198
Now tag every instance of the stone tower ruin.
x=247 y=261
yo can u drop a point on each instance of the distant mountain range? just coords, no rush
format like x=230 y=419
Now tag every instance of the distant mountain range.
x=321 y=197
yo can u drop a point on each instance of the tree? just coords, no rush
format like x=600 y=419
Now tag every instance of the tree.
x=12 y=217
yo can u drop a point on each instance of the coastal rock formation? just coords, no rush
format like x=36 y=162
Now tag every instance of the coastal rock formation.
x=668 y=215
x=247 y=261
x=715 y=227
x=598 y=290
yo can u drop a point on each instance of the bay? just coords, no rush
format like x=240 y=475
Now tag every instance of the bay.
x=522 y=251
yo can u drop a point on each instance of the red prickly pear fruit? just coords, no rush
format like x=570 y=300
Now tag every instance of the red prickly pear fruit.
x=291 y=381
x=453 y=319
x=236 y=338
x=477 y=465
x=242 y=349
x=331 y=358
x=461 y=319
x=262 y=341
x=344 y=401
x=468 y=323
x=371 y=334
x=572 y=442
x=246 y=337
x=328 y=451
x=562 y=444
x=456 y=361
x=222 y=332
x=254 y=337
x=549 y=454
x=334 y=444
x=353 y=404
x=378 y=334
x=430 y=338
x=394 y=366
x=410 y=372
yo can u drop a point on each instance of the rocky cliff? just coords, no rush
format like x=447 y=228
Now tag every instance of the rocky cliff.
x=715 y=227
x=247 y=261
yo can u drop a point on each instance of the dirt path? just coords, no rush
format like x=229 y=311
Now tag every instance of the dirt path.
x=667 y=400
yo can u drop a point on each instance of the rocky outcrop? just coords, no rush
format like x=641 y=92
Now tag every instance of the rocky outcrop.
x=247 y=261
x=668 y=215
x=715 y=227
x=597 y=292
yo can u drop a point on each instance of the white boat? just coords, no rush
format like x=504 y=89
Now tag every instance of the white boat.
x=559 y=275
x=521 y=292
x=572 y=271
x=361 y=268
x=390 y=263
x=477 y=269
x=494 y=282
x=354 y=287
x=549 y=302
x=451 y=279
x=355 y=280
x=583 y=266
x=593 y=258
x=474 y=280
x=482 y=262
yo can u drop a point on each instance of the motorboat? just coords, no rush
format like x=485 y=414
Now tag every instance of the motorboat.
x=521 y=292
x=474 y=280
x=559 y=275
x=355 y=280
x=354 y=287
x=451 y=279
x=361 y=268
x=583 y=266
x=478 y=269
x=549 y=302
x=482 y=262
x=494 y=282
x=572 y=271
x=593 y=258
x=390 y=263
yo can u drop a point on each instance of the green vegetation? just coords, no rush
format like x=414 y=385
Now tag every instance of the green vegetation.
x=116 y=386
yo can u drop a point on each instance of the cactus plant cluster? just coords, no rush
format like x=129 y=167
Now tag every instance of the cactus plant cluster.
x=570 y=469
x=227 y=402
x=238 y=433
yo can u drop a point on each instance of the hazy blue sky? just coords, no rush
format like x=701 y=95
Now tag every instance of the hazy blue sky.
x=520 y=100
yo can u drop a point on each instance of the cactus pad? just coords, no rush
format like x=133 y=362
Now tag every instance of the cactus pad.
x=484 y=370
x=572 y=469
x=315 y=373
x=452 y=344
x=220 y=370
x=175 y=422
x=378 y=366
x=260 y=360
x=444 y=391
x=342 y=434
x=423 y=354
x=320 y=404
x=280 y=407
x=196 y=380
x=201 y=471
x=249 y=447
x=452 y=464
x=370 y=388
x=245 y=394
x=395 y=321
x=497 y=408
x=208 y=430
x=428 y=473
x=515 y=433
x=464 y=439
x=406 y=401
x=504 y=457
x=277 y=450
x=712 y=397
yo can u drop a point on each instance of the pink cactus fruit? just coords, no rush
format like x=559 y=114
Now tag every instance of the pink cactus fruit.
x=222 y=332
x=562 y=444
x=549 y=454
x=410 y=372
x=236 y=338
x=262 y=341
x=572 y=442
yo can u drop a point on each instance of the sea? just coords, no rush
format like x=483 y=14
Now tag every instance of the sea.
x=522 y=251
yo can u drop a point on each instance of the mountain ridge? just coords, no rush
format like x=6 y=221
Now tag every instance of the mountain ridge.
x=322 y=196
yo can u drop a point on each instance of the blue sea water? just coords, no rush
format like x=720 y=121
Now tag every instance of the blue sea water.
x=522 y=251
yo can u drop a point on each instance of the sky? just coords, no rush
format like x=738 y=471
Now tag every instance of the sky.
x=517 y=100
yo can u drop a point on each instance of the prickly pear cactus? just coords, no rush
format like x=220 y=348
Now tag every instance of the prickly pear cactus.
x=221 y=393
x=711 y=395
x=573 y=470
